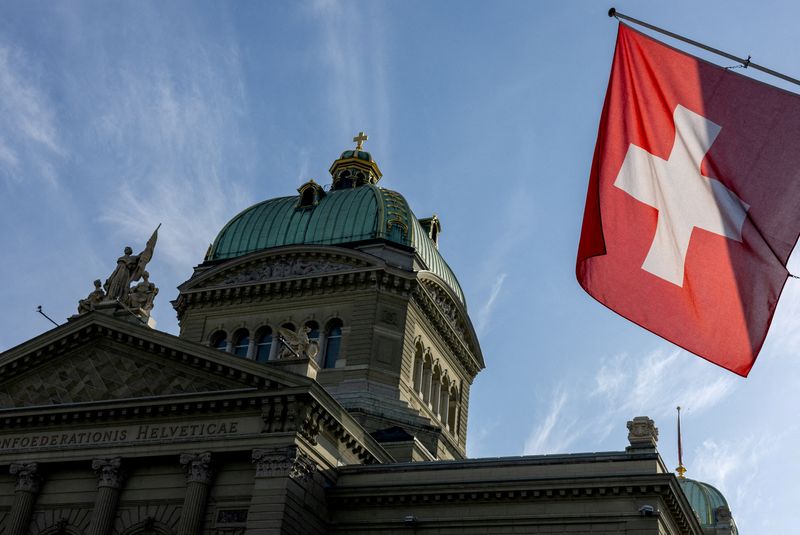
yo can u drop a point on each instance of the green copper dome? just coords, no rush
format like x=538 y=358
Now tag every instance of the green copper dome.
x=704 y=499
x=337 y=217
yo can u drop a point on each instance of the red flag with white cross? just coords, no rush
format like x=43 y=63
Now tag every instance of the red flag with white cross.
x=694 y=200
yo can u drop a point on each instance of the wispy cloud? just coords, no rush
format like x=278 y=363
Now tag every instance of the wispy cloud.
x=175 y=130
x=623 y=387
x=29 y=136
x=357 y=70
x=497 y=260
x=485 y=312
x=556 y=432
x=654 y=384
x=735 y=470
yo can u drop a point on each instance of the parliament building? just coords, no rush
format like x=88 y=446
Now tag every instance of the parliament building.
x=319 y=385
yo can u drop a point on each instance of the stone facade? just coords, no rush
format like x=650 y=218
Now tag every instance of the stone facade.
x=400 y=329
x=254 y=448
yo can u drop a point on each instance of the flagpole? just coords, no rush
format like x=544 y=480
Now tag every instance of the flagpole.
x=746 y=63
x=681 y=469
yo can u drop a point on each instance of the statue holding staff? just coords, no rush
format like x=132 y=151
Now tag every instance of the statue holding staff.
x=129 y=269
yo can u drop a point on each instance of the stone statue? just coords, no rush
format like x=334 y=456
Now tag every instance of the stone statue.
x=129 y=269
x=296 y=344
x=141 y=296
x=88 y=304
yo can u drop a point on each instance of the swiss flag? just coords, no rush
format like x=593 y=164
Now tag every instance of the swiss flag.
x=694 y=200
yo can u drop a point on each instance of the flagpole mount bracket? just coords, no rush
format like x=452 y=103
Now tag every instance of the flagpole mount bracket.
x=612 y=12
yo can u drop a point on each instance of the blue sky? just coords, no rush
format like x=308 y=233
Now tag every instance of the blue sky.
x=117 y=117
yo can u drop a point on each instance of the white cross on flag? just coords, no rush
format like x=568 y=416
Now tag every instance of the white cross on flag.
x=694 y=200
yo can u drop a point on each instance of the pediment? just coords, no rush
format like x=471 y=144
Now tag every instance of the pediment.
x=279 y=264
x=99 y=358
x=104 y=371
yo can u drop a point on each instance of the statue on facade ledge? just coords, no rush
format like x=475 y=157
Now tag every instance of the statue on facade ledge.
x=97 y=296
x=117 y=293
x=129 y=269
x=140 y=297
x=296 y=344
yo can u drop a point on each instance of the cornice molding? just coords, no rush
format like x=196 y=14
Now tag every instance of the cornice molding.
x=255 y=292
x=511 y=491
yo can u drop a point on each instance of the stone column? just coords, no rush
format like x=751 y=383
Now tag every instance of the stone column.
x=198 y=479
x=273 y=349
x=286 y=499
x=27 y=487
x=109 y=482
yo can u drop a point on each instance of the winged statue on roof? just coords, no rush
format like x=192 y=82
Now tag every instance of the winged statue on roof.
x=130 y=268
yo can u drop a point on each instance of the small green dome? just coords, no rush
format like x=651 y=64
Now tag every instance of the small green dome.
x=339 y=216
x=360 y=154
x=704 y=499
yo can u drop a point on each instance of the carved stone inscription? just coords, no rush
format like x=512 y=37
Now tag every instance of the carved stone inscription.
x=132 y=434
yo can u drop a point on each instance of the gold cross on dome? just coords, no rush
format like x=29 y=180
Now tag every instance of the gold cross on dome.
x=360 y=139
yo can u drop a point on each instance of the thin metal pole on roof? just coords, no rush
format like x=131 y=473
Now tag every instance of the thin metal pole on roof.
x=746 y=63
x=40 y=311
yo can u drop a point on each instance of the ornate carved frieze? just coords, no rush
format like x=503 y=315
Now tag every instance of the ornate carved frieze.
x=282 y=267
x=198 y=467
x=109 y=472
x=281 y=462
x=459 y=343
x=443 y=301
x=27 y=477
x=448 y=307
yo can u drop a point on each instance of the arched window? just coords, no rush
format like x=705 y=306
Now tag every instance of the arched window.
x=452 y=423
x=418 y=369
x=444 y=400
x=307 y=198
x=241 y=343
x=313 y=333
x=436 y=390
x=427 y=373
x=263 y=344
x=333 y=343
x=220 y=341
x=344 y=180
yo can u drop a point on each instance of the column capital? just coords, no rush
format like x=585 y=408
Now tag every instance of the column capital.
x=280 y=462
x=27 y=477
x=109 y=472
x=198 y=467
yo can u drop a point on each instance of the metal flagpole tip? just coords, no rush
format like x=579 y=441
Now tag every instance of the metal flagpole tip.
x=612 y=12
